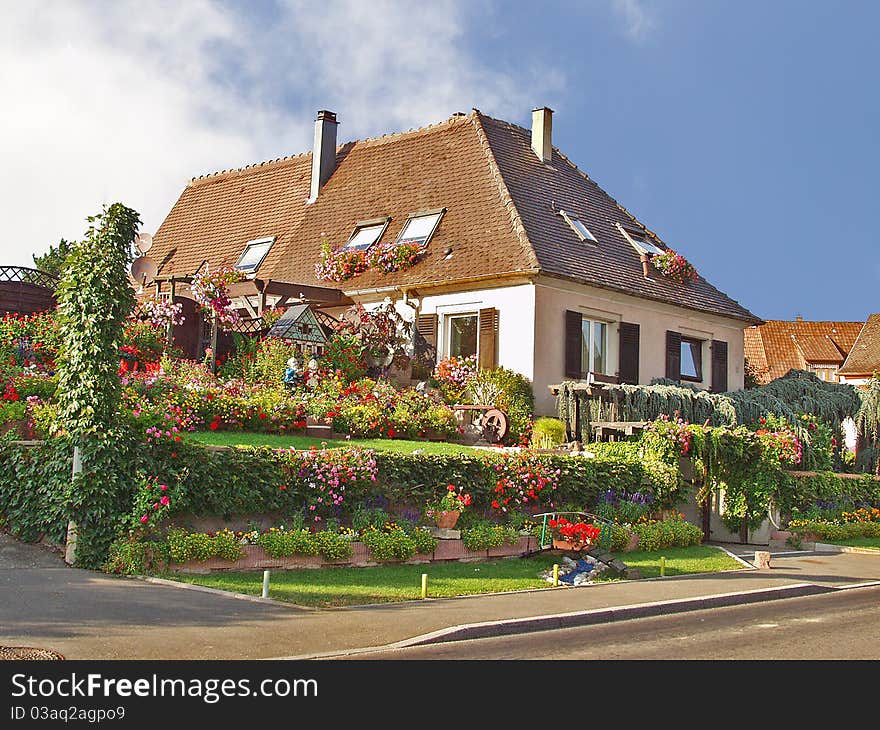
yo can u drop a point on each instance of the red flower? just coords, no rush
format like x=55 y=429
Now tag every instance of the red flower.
x=214 y=425
x=450 y=487
x=262 y=416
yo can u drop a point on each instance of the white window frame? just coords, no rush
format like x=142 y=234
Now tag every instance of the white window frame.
x=640 y=242
x=588 y=367
x=447 y=328
x=422 y=214
x=247 y=247
x=374 y=223
x=576 y=224
x=702 y=365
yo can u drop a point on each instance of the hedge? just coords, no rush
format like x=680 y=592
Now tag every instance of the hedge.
x=802 y=490
x=245 y=481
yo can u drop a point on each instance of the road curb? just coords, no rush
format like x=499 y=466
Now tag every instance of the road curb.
x=507 y=627
x=822 y=547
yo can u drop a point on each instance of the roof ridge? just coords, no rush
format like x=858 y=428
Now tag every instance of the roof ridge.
x=380 y=139
x=503 y=191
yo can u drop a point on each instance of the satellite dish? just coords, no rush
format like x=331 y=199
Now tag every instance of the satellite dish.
x=143 y=242
x=144 y=269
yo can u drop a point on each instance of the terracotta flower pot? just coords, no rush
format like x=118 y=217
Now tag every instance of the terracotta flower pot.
x=447 y=520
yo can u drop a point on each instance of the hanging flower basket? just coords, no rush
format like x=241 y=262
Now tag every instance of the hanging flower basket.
x=211 y=292
x=675 y=266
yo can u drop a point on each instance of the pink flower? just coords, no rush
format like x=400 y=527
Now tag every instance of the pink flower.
x=165 y=501
x=144 y=519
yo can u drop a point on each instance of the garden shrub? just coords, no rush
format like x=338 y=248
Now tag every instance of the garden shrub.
x=484 y=535
x=515 y=398
x=672 y=532
x=280 y=543
x=333 y=546
x=424 y=540
x=389 y=546
x=548 y=433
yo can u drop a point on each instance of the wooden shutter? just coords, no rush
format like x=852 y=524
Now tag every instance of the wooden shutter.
x=488 y=338
x=628 y=372
x=673 y=355
x=719 y=366
x=573 y=338
x=427 y=328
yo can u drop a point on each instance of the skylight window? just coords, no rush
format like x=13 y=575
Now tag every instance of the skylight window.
x=420 y=227
x=578 y=227
x=254 y=253
x=640 y=241
x=367 y=233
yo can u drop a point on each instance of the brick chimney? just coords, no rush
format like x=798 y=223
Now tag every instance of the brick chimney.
x=323 y=151
x=542 y=133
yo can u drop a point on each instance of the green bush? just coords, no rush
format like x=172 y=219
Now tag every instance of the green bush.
x=547 y=433
x=672 y=532
x=333 y=546
x=389 y=546
x=199 y=546
x=515 y=398
x=424 y=540
x=484 y=535
x=282 y=543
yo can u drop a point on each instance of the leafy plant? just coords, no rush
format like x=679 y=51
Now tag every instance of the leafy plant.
x=548 y=433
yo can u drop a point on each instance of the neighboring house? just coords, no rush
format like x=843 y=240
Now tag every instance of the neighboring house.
x=527 y=263
x=777 y=346
x=26 y=291
x=863 y=361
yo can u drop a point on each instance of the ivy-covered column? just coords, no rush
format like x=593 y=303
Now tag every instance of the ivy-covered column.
x=94 y=298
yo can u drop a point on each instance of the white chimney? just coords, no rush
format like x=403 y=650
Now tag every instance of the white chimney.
x=542 y=133
x=323 y=152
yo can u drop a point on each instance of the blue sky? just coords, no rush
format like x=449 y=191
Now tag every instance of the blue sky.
x=744 y=133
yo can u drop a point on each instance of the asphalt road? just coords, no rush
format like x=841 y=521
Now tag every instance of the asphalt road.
x=833 y=626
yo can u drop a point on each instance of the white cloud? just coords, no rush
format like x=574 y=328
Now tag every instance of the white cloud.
x=638 y=21
x=127 y=100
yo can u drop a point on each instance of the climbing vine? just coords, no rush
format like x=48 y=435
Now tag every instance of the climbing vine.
x=94 y=299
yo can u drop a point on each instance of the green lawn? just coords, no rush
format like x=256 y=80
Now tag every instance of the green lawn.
x=681 y=561
x=389 y=583
x=291 y=441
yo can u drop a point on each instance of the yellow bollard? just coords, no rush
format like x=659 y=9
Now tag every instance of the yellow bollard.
x=662 y=567
x=424 y=585
x=555 y=574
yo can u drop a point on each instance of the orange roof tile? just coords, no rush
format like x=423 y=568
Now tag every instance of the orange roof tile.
x=864 y=356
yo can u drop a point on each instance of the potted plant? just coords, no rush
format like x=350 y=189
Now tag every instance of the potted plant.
x=569 y=535
x=446 y=511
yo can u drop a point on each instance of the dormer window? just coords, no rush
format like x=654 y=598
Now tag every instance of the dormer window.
x=254 y=253
x=420 y=227
x=577 y=225
x=366 y=233
x=639 y=241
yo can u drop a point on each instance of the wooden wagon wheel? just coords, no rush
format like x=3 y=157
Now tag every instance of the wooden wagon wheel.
x=494 y=426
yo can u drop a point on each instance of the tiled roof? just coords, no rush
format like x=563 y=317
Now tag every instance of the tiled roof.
x=778 y=346
x=500 y=217
x=864 y=357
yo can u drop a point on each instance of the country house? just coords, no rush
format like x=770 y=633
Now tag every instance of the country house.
x=523 y=260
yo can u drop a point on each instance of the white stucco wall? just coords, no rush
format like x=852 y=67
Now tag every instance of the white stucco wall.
x=516 y=318
x=553 y=297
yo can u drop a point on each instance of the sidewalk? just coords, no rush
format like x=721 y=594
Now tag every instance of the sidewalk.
x=86 y=615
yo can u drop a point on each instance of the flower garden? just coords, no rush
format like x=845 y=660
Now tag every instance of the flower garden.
x=151 y=497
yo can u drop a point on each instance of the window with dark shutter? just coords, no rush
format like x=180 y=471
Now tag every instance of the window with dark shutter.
x=719 y=366
x=573 y=344
x=427 y=328
x=673 y=355
x=488 y=338
x=629 y=353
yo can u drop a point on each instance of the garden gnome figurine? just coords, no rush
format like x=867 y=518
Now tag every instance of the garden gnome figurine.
x=312 y=370
x=293 y=373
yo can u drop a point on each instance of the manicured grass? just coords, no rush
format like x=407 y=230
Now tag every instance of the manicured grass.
x=291 y=441
x=681 y=561
x=384 y=584
x=865 y=542
x=388 y=583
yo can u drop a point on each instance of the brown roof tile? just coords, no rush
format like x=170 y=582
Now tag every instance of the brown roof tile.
x=499 y=216
x=864 y=356
x=778 y=346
